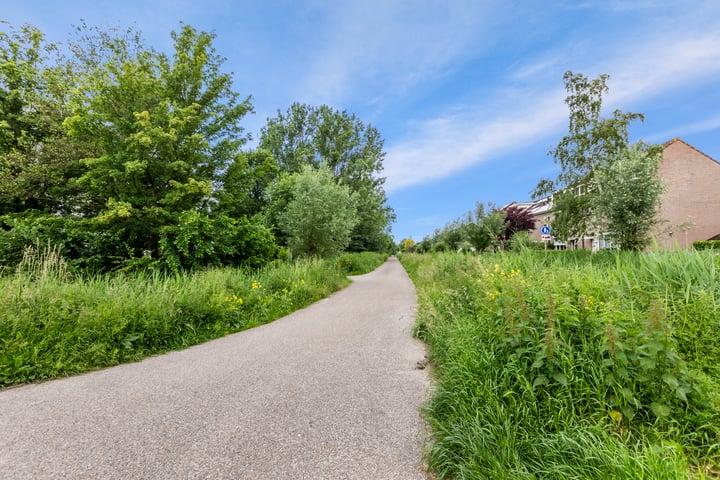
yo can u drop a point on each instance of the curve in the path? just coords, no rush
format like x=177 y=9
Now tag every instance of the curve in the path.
x=329 y=392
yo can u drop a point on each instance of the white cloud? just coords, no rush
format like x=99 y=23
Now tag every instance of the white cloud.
x=664 y=64
x=389 y=46
x=447 y=145
x=682 y=58
x=705 y=125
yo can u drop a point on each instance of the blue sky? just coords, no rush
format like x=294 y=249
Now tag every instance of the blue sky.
x=467 y=94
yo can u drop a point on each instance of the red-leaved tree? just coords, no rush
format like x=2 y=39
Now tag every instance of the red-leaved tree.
x=517 y=220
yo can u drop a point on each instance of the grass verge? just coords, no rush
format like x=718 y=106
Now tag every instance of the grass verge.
x=560 y=366
x=55 y=324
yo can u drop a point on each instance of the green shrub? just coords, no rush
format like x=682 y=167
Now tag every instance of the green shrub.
x=571 y=365
x=707 y=245
x=523 y=241
x=360 y=263
x=440 y=247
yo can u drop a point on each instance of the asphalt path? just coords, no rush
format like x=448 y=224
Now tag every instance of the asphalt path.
x=329 y=392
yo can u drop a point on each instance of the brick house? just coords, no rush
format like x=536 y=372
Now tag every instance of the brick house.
x=690 y=208
x=690 y=205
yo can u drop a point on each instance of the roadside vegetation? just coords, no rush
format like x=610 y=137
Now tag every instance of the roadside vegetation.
x=128 y=158
x=54 y=323
x=571 y=365
x=134 y=219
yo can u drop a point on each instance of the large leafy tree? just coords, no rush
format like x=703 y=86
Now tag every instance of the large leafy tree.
x=592 y=146
x=37 y=160
x=351 y=150
x=161 y=128
x=245 y=184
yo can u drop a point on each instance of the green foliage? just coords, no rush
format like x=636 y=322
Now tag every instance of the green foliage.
x=353 y=151
x=440 y=247
x=55 y=324
x=162 y=130
x=707 y=245
x=630 y=197
x=571 y=215
x=359 y=263
x=476 y=230
x=592 y=191
x=494 y=224
x=80 y=240
x=320 y=215
x=128 y=158
x=592 y=142
x=199 y=240
x=245 y=184
x=36 y=157
x=567 y=365
x=523 y=241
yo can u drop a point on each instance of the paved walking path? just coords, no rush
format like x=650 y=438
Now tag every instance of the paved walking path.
x=329 y=392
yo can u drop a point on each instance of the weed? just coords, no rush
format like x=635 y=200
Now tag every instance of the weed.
x=555 y=365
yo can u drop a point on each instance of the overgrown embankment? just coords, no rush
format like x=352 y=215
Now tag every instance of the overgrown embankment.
x=53 y=323
x=566 y=365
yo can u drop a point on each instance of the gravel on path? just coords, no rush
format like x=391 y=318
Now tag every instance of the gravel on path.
x=329 y=392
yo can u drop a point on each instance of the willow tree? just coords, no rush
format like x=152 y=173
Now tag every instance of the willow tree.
x=350 y=149
x=319 y=215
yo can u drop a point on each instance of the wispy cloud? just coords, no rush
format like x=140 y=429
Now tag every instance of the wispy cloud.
x=664 y=64
x=385 y=47
x=447 y=145
x=660 y=62
x=701 y=126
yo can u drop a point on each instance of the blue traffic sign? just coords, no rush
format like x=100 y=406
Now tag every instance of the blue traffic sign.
x=545 y=230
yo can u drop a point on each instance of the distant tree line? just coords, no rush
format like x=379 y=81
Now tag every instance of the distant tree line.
x=127 y=157
x=486 y=228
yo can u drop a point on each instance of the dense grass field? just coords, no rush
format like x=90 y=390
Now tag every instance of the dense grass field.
x=566 y=365
x=54 y=323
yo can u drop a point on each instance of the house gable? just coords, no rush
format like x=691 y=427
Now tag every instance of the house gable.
x=690 y=205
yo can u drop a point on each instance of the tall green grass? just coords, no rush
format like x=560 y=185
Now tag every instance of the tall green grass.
x=360 y=263
x=571 y=365
x=53 y=323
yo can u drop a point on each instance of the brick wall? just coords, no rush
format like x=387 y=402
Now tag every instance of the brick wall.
x=690 y=208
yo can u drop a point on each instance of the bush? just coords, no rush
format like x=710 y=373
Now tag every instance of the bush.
x=360 y=263
x=523 y=241
x=440 y=247
x=707 y=245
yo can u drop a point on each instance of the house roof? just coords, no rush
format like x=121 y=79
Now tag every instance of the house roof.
x=536 y=207
x=541 y=206
x=678 y=139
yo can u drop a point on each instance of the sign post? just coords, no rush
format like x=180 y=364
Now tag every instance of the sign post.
x=545 y=230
